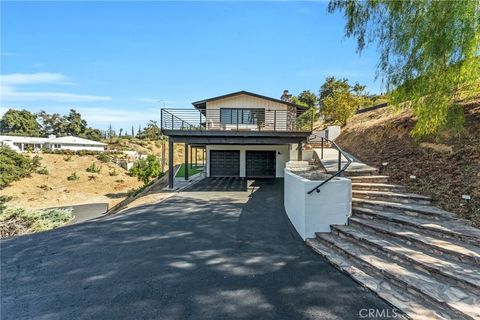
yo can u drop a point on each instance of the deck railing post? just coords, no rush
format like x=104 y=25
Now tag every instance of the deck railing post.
x=161 y=119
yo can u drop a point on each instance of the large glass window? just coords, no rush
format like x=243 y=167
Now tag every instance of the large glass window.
x=242 y=116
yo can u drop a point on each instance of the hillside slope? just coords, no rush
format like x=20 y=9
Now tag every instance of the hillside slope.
x=444 y=169
x=43 y=191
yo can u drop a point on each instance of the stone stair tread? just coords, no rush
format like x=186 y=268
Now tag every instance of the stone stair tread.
x=368 y=177
x=454 y=297
x=392 y=194
x=406 y=206
x=373 y=184
x=400 y=230
x=448 y=226
x=402 y=299
x=458 y=270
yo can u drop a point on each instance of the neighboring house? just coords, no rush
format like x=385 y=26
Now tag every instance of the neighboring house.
x=22 y=144
x=243 y=134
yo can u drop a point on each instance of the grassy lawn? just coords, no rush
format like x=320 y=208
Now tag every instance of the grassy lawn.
x=191 y=170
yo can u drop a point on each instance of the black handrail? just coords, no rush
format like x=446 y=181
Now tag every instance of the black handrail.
x=340 y=170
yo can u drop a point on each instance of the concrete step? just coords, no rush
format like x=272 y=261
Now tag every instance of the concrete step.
x=456 y=249
x=400 y=197
x=449 y=229
x=405 y=208
x=369 y=179
x=407 y=302
x=453 y=299
x=360 y=172
x=377 y=187
x=457 y=273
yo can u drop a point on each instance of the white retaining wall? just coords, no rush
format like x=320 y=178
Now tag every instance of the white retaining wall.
x=315 y=212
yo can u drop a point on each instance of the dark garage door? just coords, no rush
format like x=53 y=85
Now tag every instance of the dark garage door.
x=224 y=163
x=261 y=164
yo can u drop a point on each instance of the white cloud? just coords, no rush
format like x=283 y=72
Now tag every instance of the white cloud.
x=32 y=78
x=10 y=82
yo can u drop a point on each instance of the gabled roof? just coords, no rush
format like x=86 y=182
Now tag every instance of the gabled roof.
x=203 y=103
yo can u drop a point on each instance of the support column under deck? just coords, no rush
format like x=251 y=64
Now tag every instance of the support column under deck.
x=299 y=150
x=186 y=161
x=170 y=164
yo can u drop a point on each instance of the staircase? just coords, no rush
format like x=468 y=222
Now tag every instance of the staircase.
x=419 y=258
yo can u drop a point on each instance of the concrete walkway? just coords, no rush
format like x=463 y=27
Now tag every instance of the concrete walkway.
x=227 y=253
x=330 y=161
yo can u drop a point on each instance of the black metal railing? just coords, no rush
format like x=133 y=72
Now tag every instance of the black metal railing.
x=237 y=119
x=340 y=168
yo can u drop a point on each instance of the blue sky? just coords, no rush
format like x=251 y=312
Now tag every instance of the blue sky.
x=114 y=61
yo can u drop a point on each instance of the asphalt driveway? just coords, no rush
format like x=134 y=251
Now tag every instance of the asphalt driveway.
x=210 y=252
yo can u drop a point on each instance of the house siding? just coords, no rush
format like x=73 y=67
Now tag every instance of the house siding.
x=273 y=120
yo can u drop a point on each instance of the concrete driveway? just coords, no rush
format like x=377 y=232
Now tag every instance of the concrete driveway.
x=197 y=255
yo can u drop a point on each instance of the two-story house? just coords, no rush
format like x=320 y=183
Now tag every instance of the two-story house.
x=244 y=134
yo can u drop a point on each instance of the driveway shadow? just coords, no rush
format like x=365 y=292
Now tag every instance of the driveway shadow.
x=196 y=255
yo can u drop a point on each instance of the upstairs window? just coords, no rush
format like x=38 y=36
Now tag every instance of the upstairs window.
x=242 y=116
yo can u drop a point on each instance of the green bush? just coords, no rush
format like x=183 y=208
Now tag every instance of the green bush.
x=73 y=177
x=146 y=169
x=43 y=171
x=36 y=161
x=93 y=168
x=14 y=166
x=37 y=220
x=103 y=158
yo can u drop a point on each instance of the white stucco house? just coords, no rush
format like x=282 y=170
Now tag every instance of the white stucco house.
x=243 y=134
x=22 y=144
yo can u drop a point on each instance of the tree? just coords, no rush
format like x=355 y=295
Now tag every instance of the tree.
x=339 y=100
x=20 y=123
x=133 y=132
x=307 y=98
x=428 y=53
x=52 y=123
x=151 y=131
x=14 y=166
x=339 y=107
x=75 y=124
x=146 y=169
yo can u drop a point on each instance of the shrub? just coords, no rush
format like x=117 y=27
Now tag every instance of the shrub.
x=18 y=220
x=73 y=177
x=146 y=169
x=43 y=171
x=68 y=158
x=113 y=173
x=36 y=161
x=14 y=166
x=103 y=158
x=45 y=187
x=93 y=168
x=92 y=178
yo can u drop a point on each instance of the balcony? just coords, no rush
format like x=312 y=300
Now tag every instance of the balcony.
x=235 y=121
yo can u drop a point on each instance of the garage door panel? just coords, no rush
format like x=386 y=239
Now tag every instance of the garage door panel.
x=261 y=164
x=224 y=163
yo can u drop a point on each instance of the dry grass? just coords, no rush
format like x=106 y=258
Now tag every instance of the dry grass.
x=43 y=191
x=445 y=167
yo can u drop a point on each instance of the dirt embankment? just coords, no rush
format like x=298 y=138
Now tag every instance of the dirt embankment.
x=445 y=169
x=110 y=185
